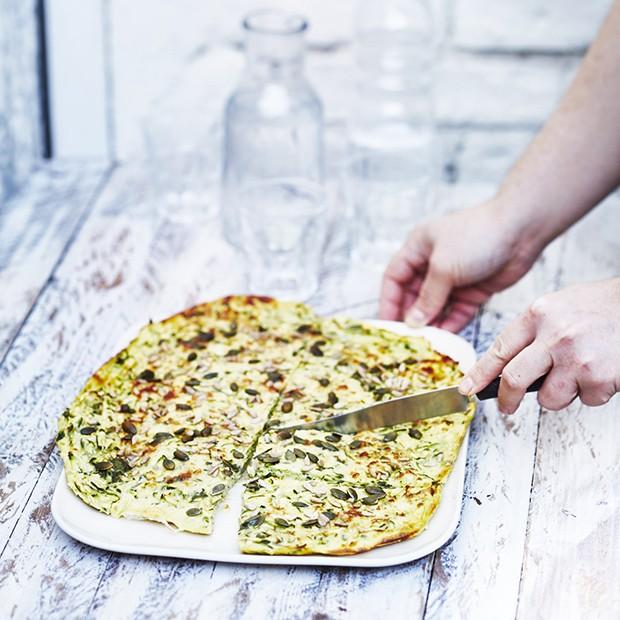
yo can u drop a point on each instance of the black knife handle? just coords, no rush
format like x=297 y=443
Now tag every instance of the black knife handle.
x=491 y=390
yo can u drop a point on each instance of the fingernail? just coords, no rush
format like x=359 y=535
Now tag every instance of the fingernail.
x=466 y=386
x=416 y=318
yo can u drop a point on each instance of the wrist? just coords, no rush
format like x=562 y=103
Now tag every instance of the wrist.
x=528 y=224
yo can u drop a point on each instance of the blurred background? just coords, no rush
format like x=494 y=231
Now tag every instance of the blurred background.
x=81 y=78
x=410 y=107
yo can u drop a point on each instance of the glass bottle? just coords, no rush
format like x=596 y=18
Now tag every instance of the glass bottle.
x=391 y=126
x=273 y=126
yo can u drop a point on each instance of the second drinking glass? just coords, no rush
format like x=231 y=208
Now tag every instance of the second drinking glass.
x=273 y=155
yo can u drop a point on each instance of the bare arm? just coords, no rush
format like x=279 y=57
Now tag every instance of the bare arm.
x=448 y=267
x=574 y=162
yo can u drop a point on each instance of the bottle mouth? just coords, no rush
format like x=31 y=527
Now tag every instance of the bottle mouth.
x=275 y=22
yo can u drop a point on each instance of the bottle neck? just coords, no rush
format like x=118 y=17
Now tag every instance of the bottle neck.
x=274 y=57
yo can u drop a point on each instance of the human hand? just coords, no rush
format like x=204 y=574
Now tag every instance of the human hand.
x=451 y=265
x=573 y=334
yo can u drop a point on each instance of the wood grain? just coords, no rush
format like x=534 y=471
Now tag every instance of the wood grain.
x=572 y=561
x=130 y=260
x=35 y=227
x=478 y=572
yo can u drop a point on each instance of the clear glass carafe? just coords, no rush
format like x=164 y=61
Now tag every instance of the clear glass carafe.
x=273 y=126
x=391 y=125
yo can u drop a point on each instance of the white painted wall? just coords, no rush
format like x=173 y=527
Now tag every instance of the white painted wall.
x=170 y=65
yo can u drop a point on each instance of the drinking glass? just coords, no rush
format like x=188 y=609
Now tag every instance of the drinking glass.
x=283 y=226
x=273 y=124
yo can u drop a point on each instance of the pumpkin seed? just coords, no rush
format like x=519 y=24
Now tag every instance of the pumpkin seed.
x=181 y=456
x=183 y=407
x=206 y=336
x=300 y=454
x=126 y=409
x=282 y=522
x=329 y=514
x=310 y=523
x=299 y=440
x=353 y=495
x=287 y=406
x=206 y=431
x=332 y=399
x=389 y=436
x=283 y=435
x=266 y=457
x=274 y=376
x=103 y=466
x=355 y=444
x=371 y=500
x=315 y=349
x=313 y=458
x=87 y=430
x=289 y=455
x=192 y=382
x=193 y=512
x=415 y=433
x=147 y=375
x=209 y=375
x=159 y=437
x=334 y=437
x=251 y=392
x=129 y=427
x=374 y=490
x=230 y=465
x=168 y=464
x=187 y=437
x=300 y=504
x=192 y=356
x=339 y=494
x=218 y=489
x=329 y=446
x=237 y=454
x=253 y=521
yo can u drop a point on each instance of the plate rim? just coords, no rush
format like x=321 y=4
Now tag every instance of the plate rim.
x=361 y=560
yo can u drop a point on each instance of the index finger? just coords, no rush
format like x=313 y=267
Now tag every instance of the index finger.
x=402 y=271
x=514 y=338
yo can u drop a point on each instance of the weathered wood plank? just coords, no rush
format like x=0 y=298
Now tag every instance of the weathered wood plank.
x=43 y=572
x=35 y=227
x=477 y=573
x=572 y=560
x=129 y=263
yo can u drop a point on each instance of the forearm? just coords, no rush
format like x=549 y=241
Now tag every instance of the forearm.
x=574 y=162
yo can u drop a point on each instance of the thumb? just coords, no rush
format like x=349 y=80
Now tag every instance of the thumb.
x=431 y=299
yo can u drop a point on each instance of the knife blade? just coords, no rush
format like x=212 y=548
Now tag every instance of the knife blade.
x=411 y=408
x=391 y=412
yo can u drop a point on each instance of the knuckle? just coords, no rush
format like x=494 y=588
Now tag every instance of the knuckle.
x=586 y=369
x=511 y=380
x=594 y=398
x=566 y=340
x=500 y=349
x=551 y=401
x=539 y=308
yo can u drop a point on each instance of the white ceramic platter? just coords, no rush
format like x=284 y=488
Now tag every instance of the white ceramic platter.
x=142 y=537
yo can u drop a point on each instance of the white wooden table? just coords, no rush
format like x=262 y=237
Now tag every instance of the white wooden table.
x=81 y=259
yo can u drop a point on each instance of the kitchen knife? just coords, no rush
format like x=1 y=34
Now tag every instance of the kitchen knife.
x=412 y=408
